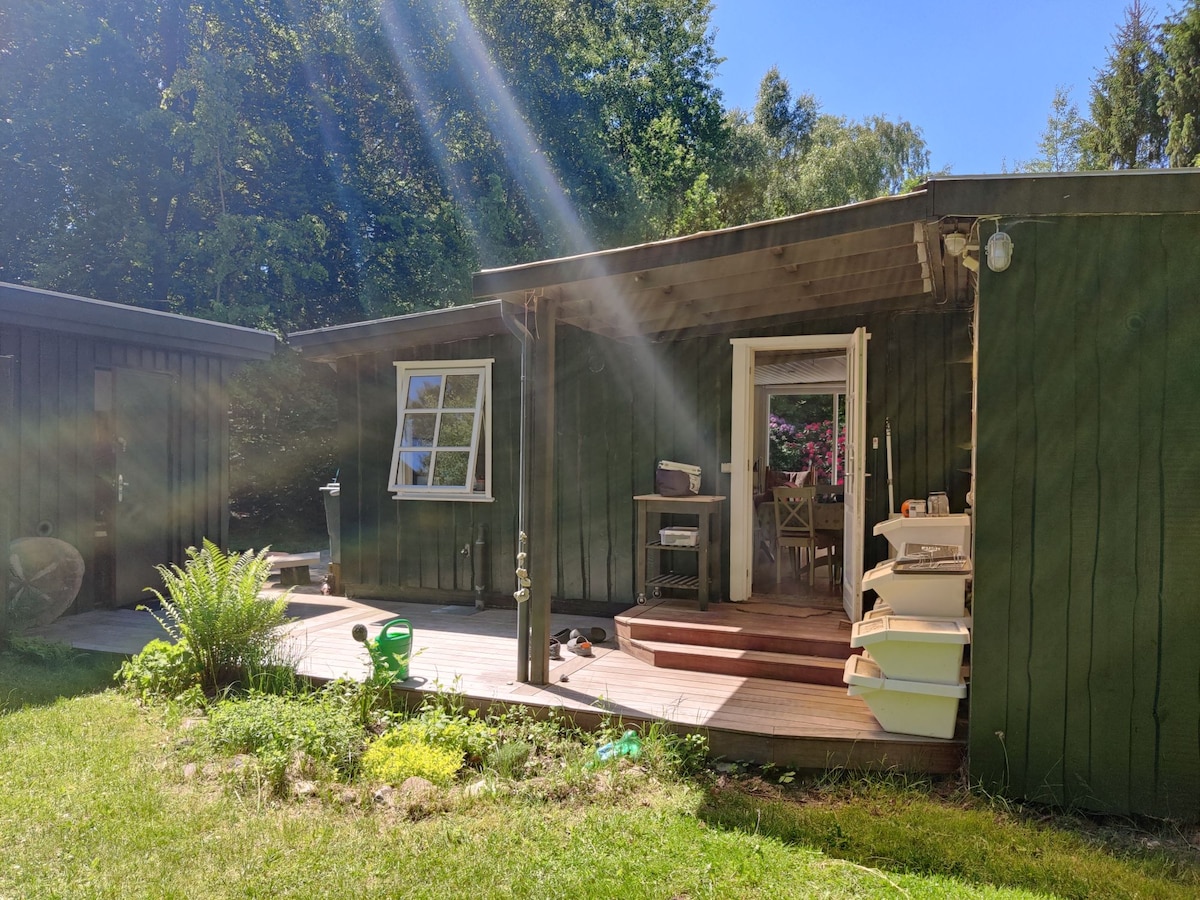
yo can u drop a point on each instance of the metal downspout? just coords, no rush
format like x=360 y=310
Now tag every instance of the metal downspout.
x=523 y=335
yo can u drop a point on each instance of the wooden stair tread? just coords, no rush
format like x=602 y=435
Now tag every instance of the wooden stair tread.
x=743 y=619
x=791 y=667
x=766 y=656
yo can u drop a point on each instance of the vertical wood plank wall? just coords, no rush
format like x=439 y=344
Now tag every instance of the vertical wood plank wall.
x=1086 y=649
x=54 y=431
x=621 y=407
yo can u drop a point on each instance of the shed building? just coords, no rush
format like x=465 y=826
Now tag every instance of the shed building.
x=116 y=426
x=1048 y=392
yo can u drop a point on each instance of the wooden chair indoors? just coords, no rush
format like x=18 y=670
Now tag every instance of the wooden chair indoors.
x=796 y=532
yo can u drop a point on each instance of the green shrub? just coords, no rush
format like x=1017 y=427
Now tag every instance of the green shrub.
x=278 y=729
x=395 y=757
x=464 y=732
x=672 y=755
x=212 y=605
x=42 y=652
x=510 y=760
x=162 y=669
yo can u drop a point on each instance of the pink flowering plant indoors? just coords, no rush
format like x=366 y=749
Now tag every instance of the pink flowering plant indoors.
x=811 y=445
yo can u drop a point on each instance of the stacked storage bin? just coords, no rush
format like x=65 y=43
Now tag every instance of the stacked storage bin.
x=913 y=641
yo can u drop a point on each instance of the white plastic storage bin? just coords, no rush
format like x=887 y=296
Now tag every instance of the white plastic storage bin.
x=904 y=707
x=915 y=649
x=679 y=536
x=881 y=609
x=954 y=530
x=919 y=595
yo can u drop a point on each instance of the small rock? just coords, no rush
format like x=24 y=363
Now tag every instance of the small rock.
x=190 y=770
x=477 y=789
x=348 y=797
x=416 y=790
x=241 y=762
x=303 y=788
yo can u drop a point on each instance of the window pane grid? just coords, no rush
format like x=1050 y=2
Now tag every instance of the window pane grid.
x=437 y=449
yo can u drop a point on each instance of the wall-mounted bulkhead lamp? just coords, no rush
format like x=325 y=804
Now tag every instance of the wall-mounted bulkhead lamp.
x=955 y=243
x=999 y=251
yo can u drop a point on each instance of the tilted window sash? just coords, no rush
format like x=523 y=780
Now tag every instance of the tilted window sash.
x=443 y=447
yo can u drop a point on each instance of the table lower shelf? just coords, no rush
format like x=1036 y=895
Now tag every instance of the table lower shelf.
x=676 y=582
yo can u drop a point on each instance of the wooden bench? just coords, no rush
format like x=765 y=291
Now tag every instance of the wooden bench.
x=293 y=568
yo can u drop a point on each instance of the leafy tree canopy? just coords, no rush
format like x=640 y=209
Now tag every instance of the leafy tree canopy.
x=294 y=163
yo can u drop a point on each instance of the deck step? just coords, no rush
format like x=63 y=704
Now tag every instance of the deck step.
x=730 y=661
x=770 y=637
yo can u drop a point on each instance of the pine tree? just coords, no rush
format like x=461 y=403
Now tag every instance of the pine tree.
x=1064 y=142
x=1130 y=132
x=1180 y=82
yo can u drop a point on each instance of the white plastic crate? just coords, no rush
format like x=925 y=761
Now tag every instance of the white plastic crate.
x=914 y=649
x=943 y=595
x=904 y=707
x=955 y=530
x=679 y=536
x=882 y=609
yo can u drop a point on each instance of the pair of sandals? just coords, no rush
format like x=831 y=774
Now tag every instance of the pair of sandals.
x=577 y=641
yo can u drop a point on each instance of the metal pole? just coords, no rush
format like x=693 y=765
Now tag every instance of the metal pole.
x=541 y=519
x=887 y=430
x=522 y=592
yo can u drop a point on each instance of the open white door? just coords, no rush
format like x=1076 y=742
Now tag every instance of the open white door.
x=741 y=487
x=856 y=474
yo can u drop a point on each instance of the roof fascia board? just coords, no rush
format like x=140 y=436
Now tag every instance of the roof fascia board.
x=28 y=307
x=1140 y=192
x=707 y=245
x=437 y=326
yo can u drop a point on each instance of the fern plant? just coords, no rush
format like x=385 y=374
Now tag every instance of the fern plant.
x=212 y=605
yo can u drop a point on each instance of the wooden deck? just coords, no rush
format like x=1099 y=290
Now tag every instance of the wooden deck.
x=474 y=652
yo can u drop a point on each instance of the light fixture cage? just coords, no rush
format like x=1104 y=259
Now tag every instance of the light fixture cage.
x=955 y=243
x=999 y=251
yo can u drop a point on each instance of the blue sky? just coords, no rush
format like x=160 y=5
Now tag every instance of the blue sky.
x=976 y=78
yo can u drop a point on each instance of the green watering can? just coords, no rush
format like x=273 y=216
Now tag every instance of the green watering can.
x=390 y=651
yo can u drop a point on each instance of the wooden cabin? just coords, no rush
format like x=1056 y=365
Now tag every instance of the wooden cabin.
x=1047 y=393
x=116 y=427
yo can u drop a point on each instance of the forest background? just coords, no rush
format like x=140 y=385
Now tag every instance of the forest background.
x=290 y=164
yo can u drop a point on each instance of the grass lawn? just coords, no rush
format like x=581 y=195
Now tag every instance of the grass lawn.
x=100 y=797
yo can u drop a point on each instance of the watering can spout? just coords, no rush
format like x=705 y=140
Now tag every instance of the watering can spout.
x=390 y=651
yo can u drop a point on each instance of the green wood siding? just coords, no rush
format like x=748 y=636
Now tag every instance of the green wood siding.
x=54 y=430
x=1084 y=656
x=621 y=407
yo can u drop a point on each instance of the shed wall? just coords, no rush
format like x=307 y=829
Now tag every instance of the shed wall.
x=1084 y=656
x=54 y=430
x=621 y=407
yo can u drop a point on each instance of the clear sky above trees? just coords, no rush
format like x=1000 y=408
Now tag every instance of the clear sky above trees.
x=978 y=79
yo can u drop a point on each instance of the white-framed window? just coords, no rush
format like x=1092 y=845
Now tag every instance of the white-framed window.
x=443 y=448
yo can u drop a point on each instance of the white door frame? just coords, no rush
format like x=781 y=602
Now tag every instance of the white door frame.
x=741 y=499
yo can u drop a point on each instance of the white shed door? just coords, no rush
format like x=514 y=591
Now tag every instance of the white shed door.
x=856 y=474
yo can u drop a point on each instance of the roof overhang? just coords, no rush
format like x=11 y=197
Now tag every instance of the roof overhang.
x=885 y=253
x=841 y=258
x=67 y=314
x=422 y=329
